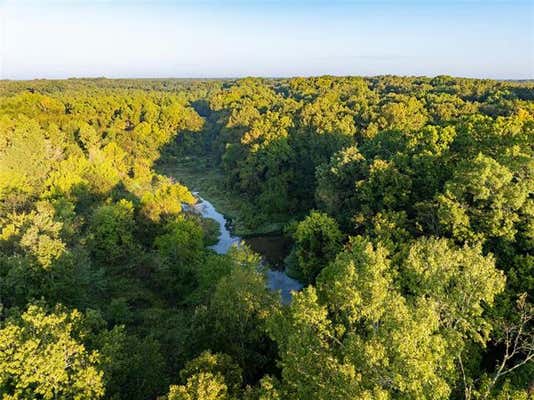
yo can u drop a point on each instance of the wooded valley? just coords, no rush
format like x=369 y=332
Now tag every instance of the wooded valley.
x=408 y=203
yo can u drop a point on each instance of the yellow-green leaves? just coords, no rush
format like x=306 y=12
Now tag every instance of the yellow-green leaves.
x=460 y=280
x=357 y=284
x=41 y=356
x=165 y=199
x=482 y=201
x=317 y=240
x=36 y=234
x=111 y=232
x=201 y=386
x=219 y=365
x=374 y=328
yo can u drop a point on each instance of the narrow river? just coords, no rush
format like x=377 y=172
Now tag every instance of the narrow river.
x=276 y=279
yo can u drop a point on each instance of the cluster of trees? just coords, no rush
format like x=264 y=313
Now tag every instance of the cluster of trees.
x=409 y=201
x=107 y=288
x=423 y=184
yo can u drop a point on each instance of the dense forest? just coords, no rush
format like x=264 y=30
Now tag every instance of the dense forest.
x=408 y=202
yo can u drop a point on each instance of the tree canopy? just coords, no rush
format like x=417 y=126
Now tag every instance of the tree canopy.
x=407 y=202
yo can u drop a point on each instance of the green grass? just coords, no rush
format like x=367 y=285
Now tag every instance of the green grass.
x=202 y=176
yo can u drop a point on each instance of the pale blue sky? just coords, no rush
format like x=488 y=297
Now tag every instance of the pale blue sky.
x=81 y=38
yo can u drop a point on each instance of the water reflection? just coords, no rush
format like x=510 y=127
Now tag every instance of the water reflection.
x=271 y=249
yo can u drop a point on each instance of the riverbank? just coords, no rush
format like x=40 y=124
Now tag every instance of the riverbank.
x=276 y=277
x=200 y=175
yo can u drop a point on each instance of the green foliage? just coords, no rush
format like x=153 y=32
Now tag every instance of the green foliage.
x=438 y=270
x=201 y=386
x=359 y=336
x=317 y=241
x=42 y=356
x=430 y=179
x=482 y=201
x=218 y=365
x=124 y=362
x=180 y=248
x=165 y=199
x=181 y=242
x=234 y=322
x=111 y=233
x=36 y=234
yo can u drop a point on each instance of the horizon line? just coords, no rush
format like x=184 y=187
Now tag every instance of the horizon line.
x=200 y=78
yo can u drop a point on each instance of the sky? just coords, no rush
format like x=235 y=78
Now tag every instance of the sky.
x=209 y=39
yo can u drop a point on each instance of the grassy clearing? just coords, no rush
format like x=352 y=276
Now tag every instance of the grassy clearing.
x=202 y=176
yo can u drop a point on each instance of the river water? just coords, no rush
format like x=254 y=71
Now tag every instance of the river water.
x=276 y=279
